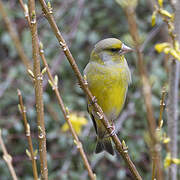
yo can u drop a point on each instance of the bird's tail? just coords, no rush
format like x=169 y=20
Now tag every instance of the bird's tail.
x=104 y=145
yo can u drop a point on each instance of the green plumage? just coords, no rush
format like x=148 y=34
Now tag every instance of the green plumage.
x=108 y=77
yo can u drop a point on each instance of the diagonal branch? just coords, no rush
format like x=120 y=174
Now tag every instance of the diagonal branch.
x=54 y=86
x=120 y=148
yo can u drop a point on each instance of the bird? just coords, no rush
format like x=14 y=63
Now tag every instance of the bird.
x=108 y=76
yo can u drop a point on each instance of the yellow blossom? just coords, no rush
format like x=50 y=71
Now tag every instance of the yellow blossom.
x=175 y=54
x=176 y=160
x=153 y=18
x=166 y=13
x=167 y=50
x=77 y=122
x=166 y=140
x=160 y=2
x=176 y=45
x=167 y=161
x=161 y=46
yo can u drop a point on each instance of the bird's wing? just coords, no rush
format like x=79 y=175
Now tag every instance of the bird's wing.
x=92 y=118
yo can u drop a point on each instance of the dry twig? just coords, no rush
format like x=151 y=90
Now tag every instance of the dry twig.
x=54 y=86
x=162 y=106
x=31 y=154
x=7 y=158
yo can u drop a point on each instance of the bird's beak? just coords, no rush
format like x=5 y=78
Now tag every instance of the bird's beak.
x=125 y=49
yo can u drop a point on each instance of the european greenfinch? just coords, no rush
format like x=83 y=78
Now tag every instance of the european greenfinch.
x=108 y=77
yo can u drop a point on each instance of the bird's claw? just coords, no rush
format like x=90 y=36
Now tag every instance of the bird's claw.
x=113 y=132
x=94 y=100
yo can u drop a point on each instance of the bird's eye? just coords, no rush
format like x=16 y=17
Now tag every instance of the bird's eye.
x=120 y=51
x=114 y=49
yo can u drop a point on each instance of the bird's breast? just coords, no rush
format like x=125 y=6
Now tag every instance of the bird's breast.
x=109 y=86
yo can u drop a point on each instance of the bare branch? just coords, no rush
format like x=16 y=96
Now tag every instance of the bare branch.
x=7 y=158
x=54 y=86
x=28 y=135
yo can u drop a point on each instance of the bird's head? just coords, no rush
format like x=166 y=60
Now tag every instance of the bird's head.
x=108 y=51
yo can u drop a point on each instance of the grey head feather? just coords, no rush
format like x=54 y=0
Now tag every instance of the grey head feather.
x=106 y=43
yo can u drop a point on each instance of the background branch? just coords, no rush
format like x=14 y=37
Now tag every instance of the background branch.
x=13 y=34
x=38 y=91
x=7 y=158
x=54 y=86
x=172 y=104
x=32 y=154
x=146 y=88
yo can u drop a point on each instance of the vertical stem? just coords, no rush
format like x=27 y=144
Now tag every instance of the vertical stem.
x=146 y=89
x=28 y=135
x=38 y=91
x=172 y=107
x=172 y=114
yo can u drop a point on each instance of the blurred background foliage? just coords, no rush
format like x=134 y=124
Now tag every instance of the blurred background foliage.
x=82 y=23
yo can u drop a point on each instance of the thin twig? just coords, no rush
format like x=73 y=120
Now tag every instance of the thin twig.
x=69 y=36
x=32 y=154
x=158 y=129
x=162 y=106
x=120 y=148
x=38 y=91
x=54 y=86
x=14 y=37
x=26 y=12
x=7 y=158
